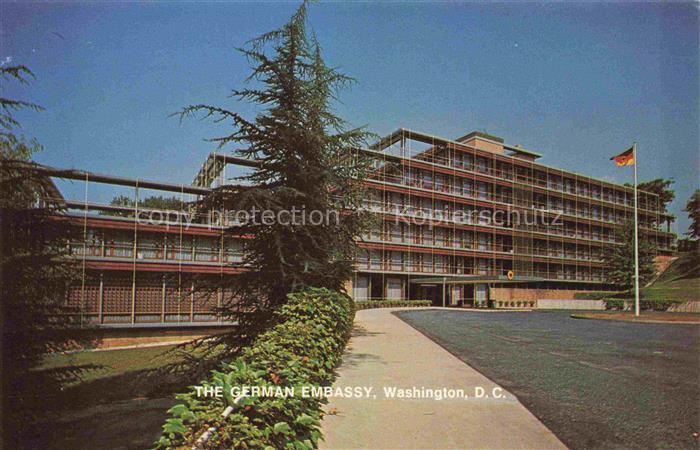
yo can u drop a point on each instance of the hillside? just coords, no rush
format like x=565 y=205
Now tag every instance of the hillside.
x=679 y=282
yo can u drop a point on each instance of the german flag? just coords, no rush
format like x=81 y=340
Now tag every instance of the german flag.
x=625 y=158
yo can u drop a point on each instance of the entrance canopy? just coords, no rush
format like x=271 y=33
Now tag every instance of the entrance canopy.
x=474 y=279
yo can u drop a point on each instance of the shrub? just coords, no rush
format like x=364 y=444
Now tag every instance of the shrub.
x=593 y=295
x=369 y=304
x=302 y=349
x=646 y=305
x=655 y=305
x=614 y=303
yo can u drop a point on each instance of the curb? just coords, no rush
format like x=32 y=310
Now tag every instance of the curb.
x=613 y=319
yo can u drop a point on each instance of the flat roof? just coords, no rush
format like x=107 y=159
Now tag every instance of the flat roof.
x=430 y=139
x=480 y=134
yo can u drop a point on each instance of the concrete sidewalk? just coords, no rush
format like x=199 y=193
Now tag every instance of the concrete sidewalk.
x=385 y=352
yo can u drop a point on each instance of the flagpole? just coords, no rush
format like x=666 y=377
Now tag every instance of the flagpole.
x=636 y=235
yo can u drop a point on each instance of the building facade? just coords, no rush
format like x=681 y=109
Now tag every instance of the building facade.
x=466 y=222
x=474 y=220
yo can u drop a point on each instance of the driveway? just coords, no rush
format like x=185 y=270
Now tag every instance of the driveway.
x=595 y=384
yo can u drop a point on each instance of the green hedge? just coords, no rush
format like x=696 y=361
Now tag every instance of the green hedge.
x=614 y=303
x=594 y=295
x=302 y=349
x=369 y=304
x=646 y=305
x=655 y=305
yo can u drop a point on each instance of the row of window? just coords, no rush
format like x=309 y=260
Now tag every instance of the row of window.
x=424 y=263
x=549 y=205
x=152 y=246
x=479 y=241
x=440 y=210
x=424 y=179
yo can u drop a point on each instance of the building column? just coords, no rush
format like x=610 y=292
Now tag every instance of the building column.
x=101 y=299
x=219 y=303
x=192 y=302
x=162 y=302
x=444 y=291
x=133 y=297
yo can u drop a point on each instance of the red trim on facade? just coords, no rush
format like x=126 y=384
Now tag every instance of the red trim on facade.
x=159 y=267
x=123 y=225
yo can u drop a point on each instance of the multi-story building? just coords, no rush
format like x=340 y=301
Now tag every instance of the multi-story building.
x=472 y=221
x=475 y=219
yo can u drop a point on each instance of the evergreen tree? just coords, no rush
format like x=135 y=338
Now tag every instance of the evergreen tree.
x=158 y=202
x=693 y=210
x=34 y=273
x=11 y=145
x=660 y=187
x=619 y=261
x=306 y=165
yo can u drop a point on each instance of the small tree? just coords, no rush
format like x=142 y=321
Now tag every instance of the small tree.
x=619 y=261
x=152 y=202
x=687 y=245
x=159 y=202
x=693 y=210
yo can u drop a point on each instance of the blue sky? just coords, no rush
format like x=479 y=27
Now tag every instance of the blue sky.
x=576 y=82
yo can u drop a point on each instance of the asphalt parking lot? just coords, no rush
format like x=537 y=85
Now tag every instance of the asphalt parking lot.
x=594 y=383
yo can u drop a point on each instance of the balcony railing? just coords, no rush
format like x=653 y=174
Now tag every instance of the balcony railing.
x=559 y=187
x=467 y=219
x=486 y=247
x=447 y=214
x=154 y=252
x=451 y=269
x=548 y=208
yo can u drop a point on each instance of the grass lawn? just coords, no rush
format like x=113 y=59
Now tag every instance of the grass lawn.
x=120 y=404
x=113 y=362
x=680 y=290
x=679 y=283
x=686 y=266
